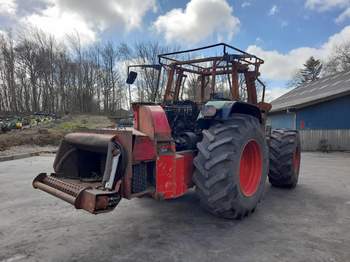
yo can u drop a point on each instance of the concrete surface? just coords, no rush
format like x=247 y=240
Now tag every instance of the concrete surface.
x=310 y=223
x=25 y=151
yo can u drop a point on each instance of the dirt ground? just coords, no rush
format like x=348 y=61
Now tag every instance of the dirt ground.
x=16 y=150
x=51 y=133
x=310 y=223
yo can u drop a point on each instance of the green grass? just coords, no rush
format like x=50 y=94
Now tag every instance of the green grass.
x=55 y=131
x=83 y=122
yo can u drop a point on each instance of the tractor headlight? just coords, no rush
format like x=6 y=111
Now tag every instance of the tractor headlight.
x=208 y=111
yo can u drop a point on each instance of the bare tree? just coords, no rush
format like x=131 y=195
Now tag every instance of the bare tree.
x=339 y=60
x=38 y=73
x=8 y=72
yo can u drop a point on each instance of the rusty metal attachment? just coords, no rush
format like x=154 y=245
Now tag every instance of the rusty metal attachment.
x=89 y=170
x=80 y=196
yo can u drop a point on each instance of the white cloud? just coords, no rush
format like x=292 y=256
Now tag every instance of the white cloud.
x=3 y=33
x=343 y=16
x=274 y=10
x=259 y=40
x=275 y=92
x=199 y=20
x=284 y=24
x=88 y=17
x=282 y=66
x=60 y=24
x=126 y=13
x=8 y=7
x=245 y=4
x=325 y=5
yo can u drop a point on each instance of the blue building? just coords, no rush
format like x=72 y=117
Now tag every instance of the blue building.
x=319 y=110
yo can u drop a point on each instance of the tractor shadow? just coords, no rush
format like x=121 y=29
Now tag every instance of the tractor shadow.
x=275 y=202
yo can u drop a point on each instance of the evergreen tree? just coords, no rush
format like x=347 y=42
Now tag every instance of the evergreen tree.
x=310 y=72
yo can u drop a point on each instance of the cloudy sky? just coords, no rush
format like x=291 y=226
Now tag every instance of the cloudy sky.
x=283 y=32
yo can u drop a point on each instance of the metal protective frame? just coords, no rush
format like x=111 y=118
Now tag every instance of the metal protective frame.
x=228 y=63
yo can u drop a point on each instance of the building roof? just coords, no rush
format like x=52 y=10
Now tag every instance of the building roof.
x=317 y=91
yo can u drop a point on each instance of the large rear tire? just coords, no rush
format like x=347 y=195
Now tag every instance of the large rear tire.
x=231 y=167
x=284 y=158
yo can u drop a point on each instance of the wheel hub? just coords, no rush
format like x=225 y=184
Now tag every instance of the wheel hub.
x=250 y=168
x=296 y=160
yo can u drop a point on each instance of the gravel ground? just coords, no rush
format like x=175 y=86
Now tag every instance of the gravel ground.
x=310 y=223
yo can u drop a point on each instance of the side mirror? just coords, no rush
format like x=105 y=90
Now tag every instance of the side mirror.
x=131 y=77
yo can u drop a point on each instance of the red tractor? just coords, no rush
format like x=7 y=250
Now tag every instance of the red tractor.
x=216 y=143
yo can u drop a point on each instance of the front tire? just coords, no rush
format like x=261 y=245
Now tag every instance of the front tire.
x=284 y=158
x=231 y=167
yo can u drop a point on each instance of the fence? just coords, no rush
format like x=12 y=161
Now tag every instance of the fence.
x=327 y=139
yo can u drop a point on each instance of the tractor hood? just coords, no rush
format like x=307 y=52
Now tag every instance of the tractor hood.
x=222 y=110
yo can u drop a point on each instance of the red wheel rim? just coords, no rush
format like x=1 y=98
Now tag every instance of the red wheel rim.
x=250 y=169
x=296 y=159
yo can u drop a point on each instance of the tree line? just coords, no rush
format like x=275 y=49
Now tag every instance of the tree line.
x=39 y=73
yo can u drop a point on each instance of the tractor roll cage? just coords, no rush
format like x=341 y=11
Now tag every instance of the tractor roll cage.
x=227 y=63
x=241 y=56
